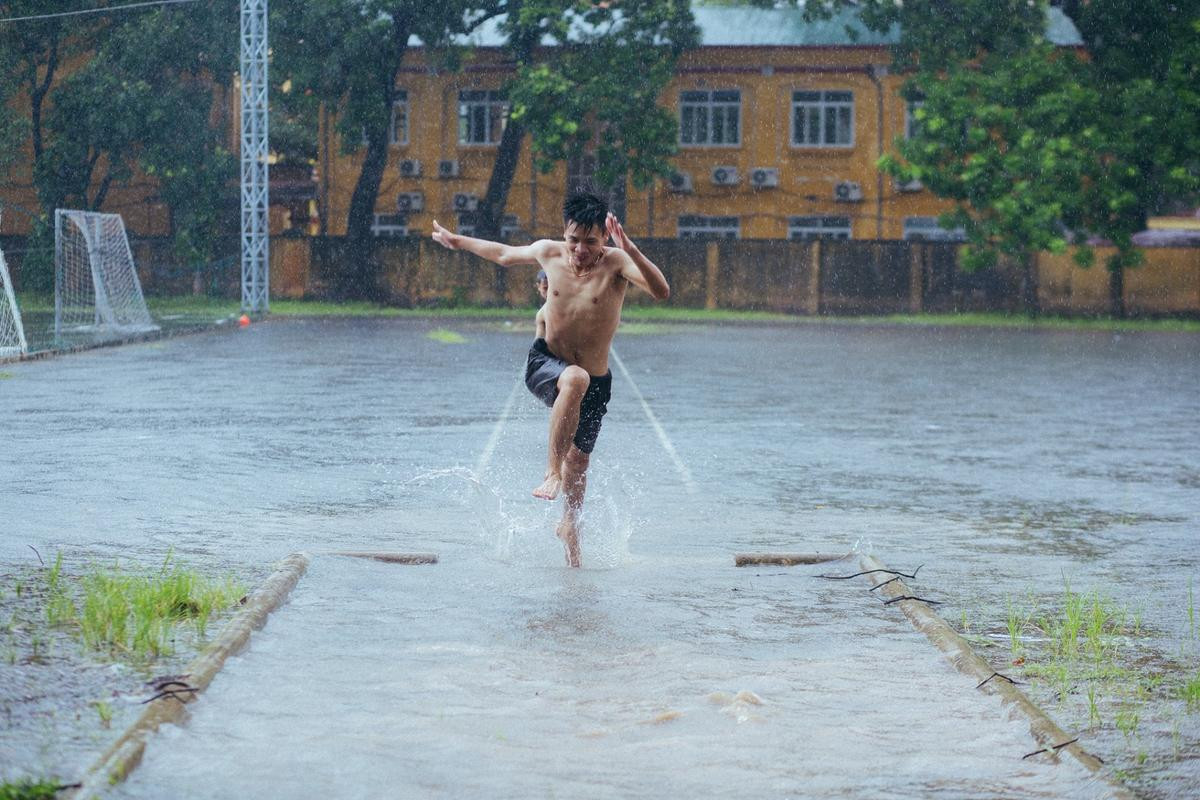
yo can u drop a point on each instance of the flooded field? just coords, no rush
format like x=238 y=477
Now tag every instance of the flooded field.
x=1008 y=463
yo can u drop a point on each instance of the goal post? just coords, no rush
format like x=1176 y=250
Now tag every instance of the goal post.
x=96 y=286
x=12 y=333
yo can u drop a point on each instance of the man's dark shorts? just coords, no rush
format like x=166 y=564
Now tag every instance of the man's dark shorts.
x=542 y=371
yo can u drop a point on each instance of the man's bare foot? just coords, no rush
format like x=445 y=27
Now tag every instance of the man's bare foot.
x=549 y=488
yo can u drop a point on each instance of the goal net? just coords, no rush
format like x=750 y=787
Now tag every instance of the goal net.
x=96 y=287
x=12 y=334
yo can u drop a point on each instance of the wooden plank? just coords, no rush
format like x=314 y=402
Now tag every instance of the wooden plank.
x=391 y=558
x=783 y=559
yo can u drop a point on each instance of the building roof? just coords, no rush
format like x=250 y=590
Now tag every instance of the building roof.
x=748 y=26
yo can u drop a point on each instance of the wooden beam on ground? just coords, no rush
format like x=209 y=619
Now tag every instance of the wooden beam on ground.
x=784 y=559
x=390 y=558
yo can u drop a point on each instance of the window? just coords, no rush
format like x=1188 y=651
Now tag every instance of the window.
x=926 y=229
x=482 y=116
x=818 y=228
x=395 y=225
x=912 y=125
x=697 y=227
x=398 y=129
x=823 y=119
x=710 y=117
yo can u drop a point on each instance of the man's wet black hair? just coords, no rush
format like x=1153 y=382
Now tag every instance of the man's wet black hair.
x=585 y=209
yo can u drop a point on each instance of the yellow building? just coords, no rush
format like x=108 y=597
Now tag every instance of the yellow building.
x=780 y=124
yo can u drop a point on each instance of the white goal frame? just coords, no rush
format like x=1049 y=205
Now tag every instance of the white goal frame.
x=102 y=296
x=12 y=332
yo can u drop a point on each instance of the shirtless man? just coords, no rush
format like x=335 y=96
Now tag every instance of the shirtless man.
x=568 y=369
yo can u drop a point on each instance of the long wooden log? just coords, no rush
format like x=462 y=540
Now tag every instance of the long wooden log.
x=783 y=559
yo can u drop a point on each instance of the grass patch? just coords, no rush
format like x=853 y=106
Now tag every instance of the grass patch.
x=446 y=336
x=30 y=789
x=133 y=614
x=1190 y=692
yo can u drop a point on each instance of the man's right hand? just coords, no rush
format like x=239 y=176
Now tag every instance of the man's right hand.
x=444 y=237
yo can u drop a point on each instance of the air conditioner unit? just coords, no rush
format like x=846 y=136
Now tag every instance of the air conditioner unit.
x=908 y=186
x=763 y=177
x=680 y=182
x=848 y=192
x=725 y=176
x=466 y=202
x=447 y=168
x=410 y=201
x=410 y=168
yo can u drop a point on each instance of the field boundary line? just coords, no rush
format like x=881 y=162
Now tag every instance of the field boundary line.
x=486 y=456
x=688 y=482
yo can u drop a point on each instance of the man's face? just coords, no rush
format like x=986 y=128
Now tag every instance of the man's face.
x=543 y=287
x=586 y=245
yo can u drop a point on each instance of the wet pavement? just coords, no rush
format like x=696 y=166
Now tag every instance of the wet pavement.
x=1002 y=460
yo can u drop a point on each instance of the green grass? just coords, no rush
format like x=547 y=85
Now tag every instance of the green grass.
x=1190 y=692
x=29 y=789
x=217 y=308
x=134 y=614
x=446 y=336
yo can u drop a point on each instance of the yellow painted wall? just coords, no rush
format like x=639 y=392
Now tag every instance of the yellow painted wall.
x=1167 y=282
x=766 y=78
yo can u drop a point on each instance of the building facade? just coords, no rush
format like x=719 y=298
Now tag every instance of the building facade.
x=780 y=125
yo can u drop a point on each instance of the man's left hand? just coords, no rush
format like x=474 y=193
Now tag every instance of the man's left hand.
x=613 y=226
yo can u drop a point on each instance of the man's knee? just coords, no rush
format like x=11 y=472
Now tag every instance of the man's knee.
x=573 y=381
x=576 y=461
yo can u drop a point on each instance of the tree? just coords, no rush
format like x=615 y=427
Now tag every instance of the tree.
x=1041 y=147
x=110 y=96
x=595 y=87
x=348 y=55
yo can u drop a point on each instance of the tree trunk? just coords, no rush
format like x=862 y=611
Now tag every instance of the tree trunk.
x=490 y=215
x=359 y=279
x=1116 y=290
x=1029 y=285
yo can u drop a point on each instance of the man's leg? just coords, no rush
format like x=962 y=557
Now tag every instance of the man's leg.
x=564 y=419
x=574 y=481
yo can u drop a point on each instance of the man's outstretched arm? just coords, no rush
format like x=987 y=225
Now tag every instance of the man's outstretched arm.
x=497 y=252
x=642 y=272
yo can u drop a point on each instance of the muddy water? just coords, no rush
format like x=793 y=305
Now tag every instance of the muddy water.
x=1003 y=461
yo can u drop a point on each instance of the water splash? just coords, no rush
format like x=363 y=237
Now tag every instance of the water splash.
x=514 y=528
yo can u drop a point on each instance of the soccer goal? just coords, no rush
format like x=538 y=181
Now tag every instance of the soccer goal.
x=12 y=334
x=96 y=287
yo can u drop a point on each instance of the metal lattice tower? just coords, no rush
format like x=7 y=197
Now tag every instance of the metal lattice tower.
x=255 y=229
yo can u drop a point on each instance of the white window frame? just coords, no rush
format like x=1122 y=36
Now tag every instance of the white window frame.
x=827 y=102
x=398 y=134
x=713 y=108
x=911 y=123
x=805 y=228
x=390 y=225
x=699 y=226
x=926 y=229
x=494 y=107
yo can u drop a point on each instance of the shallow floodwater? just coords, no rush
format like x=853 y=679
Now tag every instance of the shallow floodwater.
x=1001 y=460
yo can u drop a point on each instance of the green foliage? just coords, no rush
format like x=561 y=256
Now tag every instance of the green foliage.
x=1040 y=147
x=29 y=789
x=138 y=94
x=598 y=90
